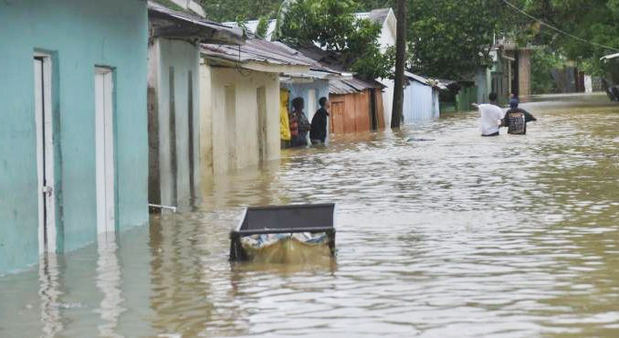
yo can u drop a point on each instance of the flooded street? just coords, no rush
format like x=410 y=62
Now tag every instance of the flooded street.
x=458 y=235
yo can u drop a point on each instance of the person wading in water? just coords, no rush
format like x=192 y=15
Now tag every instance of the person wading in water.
x=490 y=116
x=516 y=119
x=318 y=134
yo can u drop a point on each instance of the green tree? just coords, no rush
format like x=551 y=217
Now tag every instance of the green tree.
x=333 y=26
x=452 y=38
x=543 y=61
x=583 y=28
x=232 y=10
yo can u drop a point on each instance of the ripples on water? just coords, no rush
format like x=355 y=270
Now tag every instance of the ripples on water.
x=460 y=236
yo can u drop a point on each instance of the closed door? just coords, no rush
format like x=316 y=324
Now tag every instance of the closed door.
x=337 y=117
x=104 y=139
x=45 y=153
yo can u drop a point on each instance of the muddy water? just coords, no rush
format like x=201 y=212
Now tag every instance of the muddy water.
x=459 y=236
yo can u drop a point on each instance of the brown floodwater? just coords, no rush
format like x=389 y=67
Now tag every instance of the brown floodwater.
x=456 y=236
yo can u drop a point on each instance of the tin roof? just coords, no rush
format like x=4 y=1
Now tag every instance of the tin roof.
x=352 y=85
x=257 y=52
x=169 y=23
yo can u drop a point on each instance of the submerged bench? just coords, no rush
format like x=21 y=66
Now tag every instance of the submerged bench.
x=290 y=219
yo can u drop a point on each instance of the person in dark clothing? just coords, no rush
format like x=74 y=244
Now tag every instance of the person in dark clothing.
x=516 y=119
x=318 y=133
x=299 y=125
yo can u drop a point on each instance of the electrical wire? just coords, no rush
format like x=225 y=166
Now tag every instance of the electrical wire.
x=557 y=29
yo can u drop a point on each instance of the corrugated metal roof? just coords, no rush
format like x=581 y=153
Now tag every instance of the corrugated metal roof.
x=174 y=24
x=252 y=27
x=353 y=85
x=426 y=81
x=258 y=50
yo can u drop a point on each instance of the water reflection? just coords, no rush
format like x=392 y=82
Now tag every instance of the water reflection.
x=108 y=282
x=49 y=293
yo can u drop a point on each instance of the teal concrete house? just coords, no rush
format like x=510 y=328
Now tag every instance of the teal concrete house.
x=73 y=137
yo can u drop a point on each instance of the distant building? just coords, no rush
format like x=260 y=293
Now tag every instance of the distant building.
x=73 y=137
x=509 y=73
x=386 y=18
x=174 y=100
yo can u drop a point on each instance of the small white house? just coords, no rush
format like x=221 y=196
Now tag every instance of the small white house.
x=387 y=19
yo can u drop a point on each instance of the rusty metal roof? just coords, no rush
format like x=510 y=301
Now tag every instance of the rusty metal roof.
x=169 y=23
x=353 y=85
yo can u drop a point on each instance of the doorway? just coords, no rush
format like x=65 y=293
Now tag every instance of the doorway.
x=45 y=152
x=312 y=107
x=104 y=145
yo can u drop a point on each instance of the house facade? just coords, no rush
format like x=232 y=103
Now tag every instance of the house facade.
x=240 y=103
x=73 y=141
x=174 y=102
x=385 y=17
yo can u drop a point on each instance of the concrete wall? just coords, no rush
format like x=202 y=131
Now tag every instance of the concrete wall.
x=229 y=118
x=79 y=34
x=174 y=122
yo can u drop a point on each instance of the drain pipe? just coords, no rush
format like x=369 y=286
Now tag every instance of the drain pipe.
x=164 y=207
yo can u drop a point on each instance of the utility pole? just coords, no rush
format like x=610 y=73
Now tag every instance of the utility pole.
x=400 y=61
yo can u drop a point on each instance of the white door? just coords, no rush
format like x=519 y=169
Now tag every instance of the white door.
x=45 y=152
x=104 y=139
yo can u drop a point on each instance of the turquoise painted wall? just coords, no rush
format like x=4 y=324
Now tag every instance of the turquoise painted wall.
x=79 y=34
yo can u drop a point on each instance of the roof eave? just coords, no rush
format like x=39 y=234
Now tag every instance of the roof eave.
x=184 y=27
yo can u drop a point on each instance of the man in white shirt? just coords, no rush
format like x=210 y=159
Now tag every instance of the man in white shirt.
x=490 y=116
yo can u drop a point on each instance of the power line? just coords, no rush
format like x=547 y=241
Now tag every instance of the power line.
x=557 y=29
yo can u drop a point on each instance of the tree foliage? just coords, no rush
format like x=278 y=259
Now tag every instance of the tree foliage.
x=596 y=21
x=332 y=25
x=543 y=61
x=451 y=38
x=236 y=10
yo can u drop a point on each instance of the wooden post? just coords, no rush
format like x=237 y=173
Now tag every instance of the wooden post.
x=400 y=61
